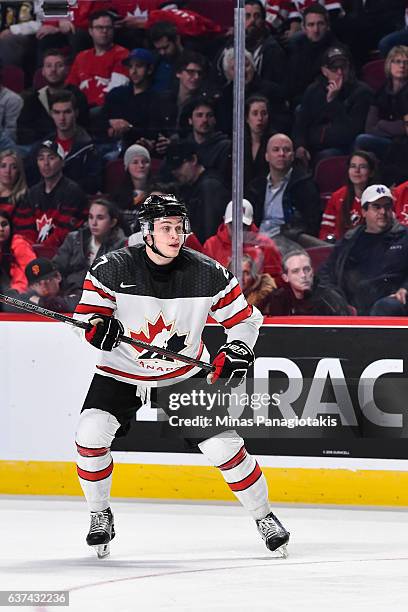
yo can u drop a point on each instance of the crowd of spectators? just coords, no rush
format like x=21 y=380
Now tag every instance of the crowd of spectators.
x=120 y=99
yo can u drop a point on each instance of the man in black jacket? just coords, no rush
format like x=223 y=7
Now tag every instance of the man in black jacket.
x=287 y=201
x=35 y=121
x=333 y=109
x=82 y=162
x=129 y=108
x=214 y=149
x=203 y=190
x=302 y=294
x=269 y=57
x=370 y=264
x=305 y=51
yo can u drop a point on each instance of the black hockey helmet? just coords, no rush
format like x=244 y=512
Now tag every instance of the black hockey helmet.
x=159 y=207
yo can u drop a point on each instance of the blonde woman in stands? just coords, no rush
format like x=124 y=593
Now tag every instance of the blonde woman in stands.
x=385 y=116
x=13 y=186
x=343 y=210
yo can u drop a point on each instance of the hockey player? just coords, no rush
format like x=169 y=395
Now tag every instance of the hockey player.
x=157 y=287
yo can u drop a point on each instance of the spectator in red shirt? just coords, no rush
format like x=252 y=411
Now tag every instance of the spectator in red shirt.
x=400 y=194
x=96 y=71
x=15 y=254
x=13 y=186
x=260 y=247
x=343 y=210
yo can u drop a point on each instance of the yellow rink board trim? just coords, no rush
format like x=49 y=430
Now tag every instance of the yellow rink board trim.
x=324 y=486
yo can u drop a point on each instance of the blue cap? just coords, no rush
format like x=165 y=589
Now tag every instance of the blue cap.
x=141 y=55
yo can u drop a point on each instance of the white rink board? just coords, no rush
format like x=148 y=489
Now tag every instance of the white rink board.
x=45 y=371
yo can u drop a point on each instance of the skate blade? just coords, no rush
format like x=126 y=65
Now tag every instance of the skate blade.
x=102 y=550
x=283 y=551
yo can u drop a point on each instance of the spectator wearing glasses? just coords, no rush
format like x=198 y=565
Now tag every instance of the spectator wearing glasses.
x=343 y=210
x=98 y=70
x=369 y=266
x=173 y=104
x=394 y=168
x=385 y=117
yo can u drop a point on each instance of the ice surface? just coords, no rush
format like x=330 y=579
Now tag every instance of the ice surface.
x=193 y=557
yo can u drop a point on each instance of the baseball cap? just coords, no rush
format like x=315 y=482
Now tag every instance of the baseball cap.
x=247 y=209
x=53 y=146
x=375 y=192
x=178 y=153
x=334 y=56
x=39 y=269
x=139 y=54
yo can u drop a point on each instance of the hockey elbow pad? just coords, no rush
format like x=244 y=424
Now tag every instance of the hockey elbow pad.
x=232 y=363
x=104 y=332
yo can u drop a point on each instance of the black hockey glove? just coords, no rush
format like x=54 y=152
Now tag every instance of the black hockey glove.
x=104 y=332
x=232 y=363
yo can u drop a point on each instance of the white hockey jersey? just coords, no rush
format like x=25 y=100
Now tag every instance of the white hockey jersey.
x=166 y=306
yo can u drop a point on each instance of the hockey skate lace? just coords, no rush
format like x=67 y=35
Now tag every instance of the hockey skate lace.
x=268 y=527
x=99 y=522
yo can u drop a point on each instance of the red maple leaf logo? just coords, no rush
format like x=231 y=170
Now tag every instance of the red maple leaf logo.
x=158 y=329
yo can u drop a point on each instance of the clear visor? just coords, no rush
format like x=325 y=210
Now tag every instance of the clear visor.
x=182 y=228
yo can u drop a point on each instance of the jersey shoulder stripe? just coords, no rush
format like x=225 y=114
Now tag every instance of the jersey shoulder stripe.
x=193 y=275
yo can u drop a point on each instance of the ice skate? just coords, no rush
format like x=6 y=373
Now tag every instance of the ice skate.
x=274 y=534
x=101 y=532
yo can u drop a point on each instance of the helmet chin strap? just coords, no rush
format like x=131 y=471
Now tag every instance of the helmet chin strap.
x=155 y=249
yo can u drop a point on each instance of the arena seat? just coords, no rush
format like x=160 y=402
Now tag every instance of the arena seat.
x=13 y=78
x=373 y=74
x=38 y=79
x=115 y=173
x=330 y=174
x=319 y=255
x=220 y=11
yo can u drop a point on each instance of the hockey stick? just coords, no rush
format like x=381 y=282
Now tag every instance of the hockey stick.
x=50 y=314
